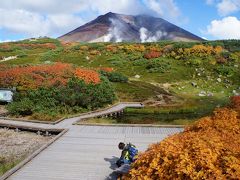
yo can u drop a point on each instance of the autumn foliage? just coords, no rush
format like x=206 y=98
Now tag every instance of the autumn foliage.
x=106 y=69
x=209 y=149
x=89 y=76
x=33 y=77
x=235 y=104
x=152 y=54
x=34 y=46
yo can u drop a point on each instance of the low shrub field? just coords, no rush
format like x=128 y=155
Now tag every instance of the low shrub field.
x=47 y=92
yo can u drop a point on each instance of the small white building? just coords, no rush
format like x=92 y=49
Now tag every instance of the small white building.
x=6 y=95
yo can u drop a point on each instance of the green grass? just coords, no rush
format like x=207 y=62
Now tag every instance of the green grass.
x=137 y=91
x=137 y=120
x=99 y=121
x=179 y=76
x=4 y=167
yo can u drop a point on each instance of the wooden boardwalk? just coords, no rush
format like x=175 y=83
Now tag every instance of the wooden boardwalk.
x=87 y=152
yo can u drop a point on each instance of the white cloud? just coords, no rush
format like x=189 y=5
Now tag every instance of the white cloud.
x=226 y=7
x=227 y=28
x=54 y=17
x=34 y=24
x=46 y=6
x=164 y=8
x=7 y=40
x=121 y=6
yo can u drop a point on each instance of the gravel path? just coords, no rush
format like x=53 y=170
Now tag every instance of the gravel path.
x=16 y=145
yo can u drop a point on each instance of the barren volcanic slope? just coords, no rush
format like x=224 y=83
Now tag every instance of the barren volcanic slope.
x=118 y=27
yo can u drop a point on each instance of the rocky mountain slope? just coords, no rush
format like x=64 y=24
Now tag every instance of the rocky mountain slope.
x=113 y=27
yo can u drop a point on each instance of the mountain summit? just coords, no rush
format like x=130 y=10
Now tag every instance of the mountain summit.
x=113 y=27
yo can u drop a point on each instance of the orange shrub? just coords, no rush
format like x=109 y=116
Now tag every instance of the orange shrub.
x=111 y=48
x=106 y=69
x=84 y=48
x=45 y=45
x=33 y=77
x=94 y=52
x=152 y=54
x=218 y=49
x=89 y=76
x=221 y=60
x=235 y=102
x=209 y=149
x=5 y=46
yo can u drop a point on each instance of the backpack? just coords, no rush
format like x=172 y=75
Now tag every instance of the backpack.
x=132 y=151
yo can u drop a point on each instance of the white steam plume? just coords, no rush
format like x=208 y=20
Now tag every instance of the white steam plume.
x=114 y=32
x=146 y=37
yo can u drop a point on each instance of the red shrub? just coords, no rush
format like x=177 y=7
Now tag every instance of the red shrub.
x=152 y=54
x=33 y=46
x=235 y=101
x=33 y=77
x=106 y=69
x=89 y=76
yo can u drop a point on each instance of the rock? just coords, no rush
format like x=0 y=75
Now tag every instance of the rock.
x=235 y=93
x=219 y=80
x=202 y=94
x=47 y=62
x=194 y=84
x=137 y=76
x=160 y=96
x=210 y=94
x=87 y=57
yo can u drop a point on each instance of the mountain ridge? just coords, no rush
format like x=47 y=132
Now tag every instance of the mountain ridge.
x=112 y=27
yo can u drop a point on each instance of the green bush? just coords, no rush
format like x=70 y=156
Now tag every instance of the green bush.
x=114 y=76
x=140 y=62
x=22 y=107
x=51 y=55
x=21 y=54
x=76 y=96
x=156 y=65
x=194 y=62
x=225 y=70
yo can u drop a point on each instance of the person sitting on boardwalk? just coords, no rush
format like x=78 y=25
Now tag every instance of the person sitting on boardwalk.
x=128 y=155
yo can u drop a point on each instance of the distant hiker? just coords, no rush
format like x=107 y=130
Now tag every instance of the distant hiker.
x=128 y=155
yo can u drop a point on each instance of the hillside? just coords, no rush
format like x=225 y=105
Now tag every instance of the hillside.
x=113 y=27
x=176 y=81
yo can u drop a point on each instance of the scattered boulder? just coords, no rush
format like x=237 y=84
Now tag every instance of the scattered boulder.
x=194 y=84
x=210 y=94
x=47 y=62
x=219 y=80
x=202 y=94
x=137 y=76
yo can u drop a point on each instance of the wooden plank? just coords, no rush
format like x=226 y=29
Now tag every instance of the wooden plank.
x=85 y=155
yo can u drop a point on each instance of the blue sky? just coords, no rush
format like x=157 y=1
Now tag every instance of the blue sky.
x=211 y=19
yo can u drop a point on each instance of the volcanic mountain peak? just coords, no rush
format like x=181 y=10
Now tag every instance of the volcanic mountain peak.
x=113 y=27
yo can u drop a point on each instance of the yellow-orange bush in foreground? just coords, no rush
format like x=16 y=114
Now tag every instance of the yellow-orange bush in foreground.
x=209 y=149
